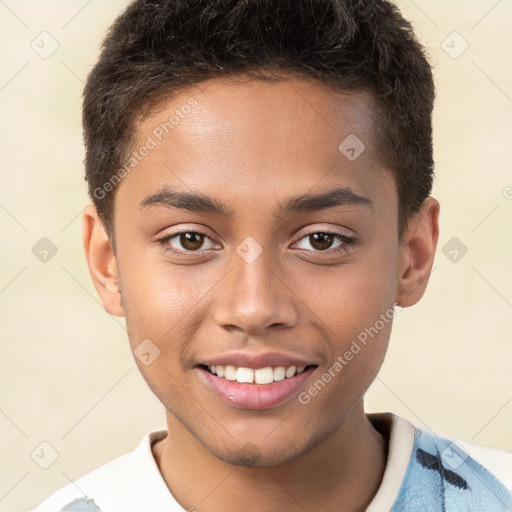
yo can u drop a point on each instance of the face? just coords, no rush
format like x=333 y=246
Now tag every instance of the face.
x=223 y=259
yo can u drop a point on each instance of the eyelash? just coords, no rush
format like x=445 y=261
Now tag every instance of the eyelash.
x=348 y=242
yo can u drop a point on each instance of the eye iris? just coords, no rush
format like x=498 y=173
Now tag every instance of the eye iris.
x=191 y=240
x=321 y=241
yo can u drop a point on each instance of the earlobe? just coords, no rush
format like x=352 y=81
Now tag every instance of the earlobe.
x=417 y=253
x=101 y=261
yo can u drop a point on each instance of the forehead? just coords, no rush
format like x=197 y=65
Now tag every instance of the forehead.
x=242 y=138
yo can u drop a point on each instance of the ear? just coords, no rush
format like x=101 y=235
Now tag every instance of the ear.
x=101 y=261
x=417 y=253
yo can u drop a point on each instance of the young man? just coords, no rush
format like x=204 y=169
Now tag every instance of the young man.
x=260 y=173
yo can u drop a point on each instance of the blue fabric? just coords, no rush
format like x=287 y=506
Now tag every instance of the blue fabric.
x=442 y=477
x=81 y=505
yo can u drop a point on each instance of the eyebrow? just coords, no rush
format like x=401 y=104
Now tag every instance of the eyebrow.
x=197 y=202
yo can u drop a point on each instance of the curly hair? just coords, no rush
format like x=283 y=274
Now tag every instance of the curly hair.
x=157 y=47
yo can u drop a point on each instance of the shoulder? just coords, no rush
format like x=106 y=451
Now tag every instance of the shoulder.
x=457 y=475
x=482 y=460
x=497 y=462
x=121 y=484
x=86 y=489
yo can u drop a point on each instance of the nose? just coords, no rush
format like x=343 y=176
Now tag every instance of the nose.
x=254 y=296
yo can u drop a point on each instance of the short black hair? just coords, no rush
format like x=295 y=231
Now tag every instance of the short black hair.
x=157 y=47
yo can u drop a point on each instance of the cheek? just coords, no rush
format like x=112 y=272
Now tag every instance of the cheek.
x=159 y=299
x=355 y=314
x=353 y=306
x=352 y=298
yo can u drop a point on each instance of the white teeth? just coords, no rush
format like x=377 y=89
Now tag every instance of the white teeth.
x=279 y=373
x=245 y=375
x=290 y=372
x=265 y=375
x=229 y=372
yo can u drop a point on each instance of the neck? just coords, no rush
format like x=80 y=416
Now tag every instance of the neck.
x=342 y=472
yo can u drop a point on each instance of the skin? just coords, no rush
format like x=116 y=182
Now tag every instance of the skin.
x=251 y=145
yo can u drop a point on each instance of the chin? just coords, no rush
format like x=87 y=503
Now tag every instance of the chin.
x=251 y=455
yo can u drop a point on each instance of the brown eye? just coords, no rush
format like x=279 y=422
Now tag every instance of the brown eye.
x=191 y=241
x=321 y=241
x=187 y=242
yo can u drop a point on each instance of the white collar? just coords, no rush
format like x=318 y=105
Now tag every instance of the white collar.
x=398 y=431
x=400 y=435
x=133 y=482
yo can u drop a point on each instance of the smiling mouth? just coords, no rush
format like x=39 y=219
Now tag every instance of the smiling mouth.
x=265 y=375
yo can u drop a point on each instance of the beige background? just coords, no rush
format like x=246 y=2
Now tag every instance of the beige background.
x=68 y=377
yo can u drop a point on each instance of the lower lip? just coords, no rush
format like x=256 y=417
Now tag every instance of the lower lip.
x=255 y=396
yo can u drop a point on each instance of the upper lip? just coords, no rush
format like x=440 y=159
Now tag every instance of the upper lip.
x=258 y=360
